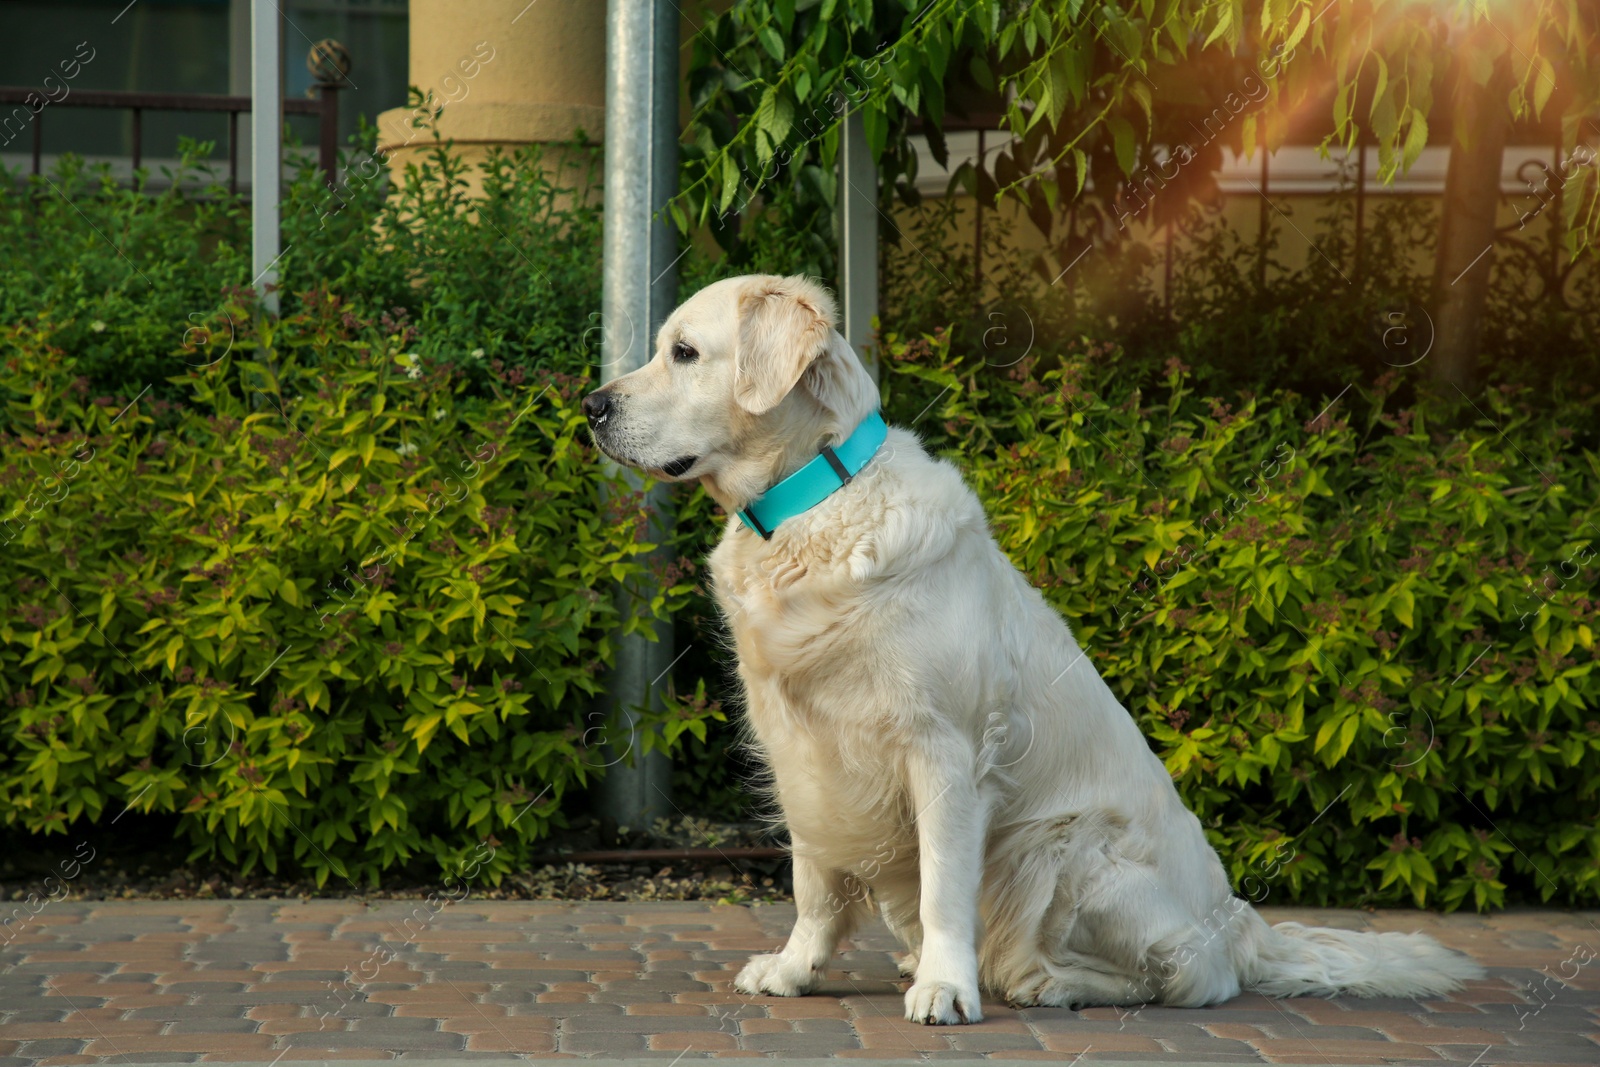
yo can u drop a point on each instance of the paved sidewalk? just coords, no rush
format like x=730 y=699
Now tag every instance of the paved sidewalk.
x=261 y=981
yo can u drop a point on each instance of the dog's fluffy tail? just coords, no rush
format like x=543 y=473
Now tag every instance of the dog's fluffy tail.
x=1290 y=960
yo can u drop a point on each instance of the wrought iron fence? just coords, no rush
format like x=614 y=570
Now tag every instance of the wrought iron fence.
x=326 y=108
x=1544 y=183
x=328 y=60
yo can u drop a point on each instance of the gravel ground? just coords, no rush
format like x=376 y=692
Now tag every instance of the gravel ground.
x=134 y=874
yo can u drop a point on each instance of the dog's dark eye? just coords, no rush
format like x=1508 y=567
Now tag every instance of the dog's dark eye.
x=683 y=353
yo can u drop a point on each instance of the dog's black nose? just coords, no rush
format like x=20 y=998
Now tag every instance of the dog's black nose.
x=597 y=406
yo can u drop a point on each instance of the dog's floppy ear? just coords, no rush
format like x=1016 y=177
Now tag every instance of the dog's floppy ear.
x=785 y=324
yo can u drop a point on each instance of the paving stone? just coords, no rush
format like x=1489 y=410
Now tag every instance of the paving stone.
x=673 y=984
x=565 y=1011
x=1060 y=1021
x=1302 y=1028
x=951 y=1054
x=395 y=1040
x=1245 y=1016
x=260 y=996
x=1588 y=1056
x=177 y=1012
x=1137 y=1027
x=1555 y=1040
x=430 y=1054
x=1208 y=1047
x=800 y=1044
x=51 y=1046
x=638 y=996
x=34 y=1015
x=250 y=980
x=978 y=1041
x=1156 y=1013
x=1403 y=1005
x=213 y=1026
x=384 y=1025
x=600 y=1041
x=823 y=1026
x=636 y=1024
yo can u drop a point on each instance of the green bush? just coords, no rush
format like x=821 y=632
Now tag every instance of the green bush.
x=123 y=277
x=115 y=274
x=1362 y=642
x=219 y=617
x=500 y=256
x=328 y=612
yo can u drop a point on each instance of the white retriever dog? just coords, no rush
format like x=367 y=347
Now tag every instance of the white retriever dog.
x=939 y=745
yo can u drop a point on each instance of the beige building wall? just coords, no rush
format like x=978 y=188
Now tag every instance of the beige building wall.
x=506 y=72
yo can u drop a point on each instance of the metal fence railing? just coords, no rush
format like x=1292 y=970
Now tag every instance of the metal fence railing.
x=325 y=107
x=328 y=61
x=1536 y=179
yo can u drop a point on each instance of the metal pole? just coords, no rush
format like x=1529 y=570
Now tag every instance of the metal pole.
x=638 y=291
x=977 y=236
x=1554 y=231
x=266 y=137
x=1261 y=226
x=1361 y=202
x=1166 y=281
x=858 y=238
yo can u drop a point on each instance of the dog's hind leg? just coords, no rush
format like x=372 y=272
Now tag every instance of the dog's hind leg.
x=1072 y=981
x=827 y=903
x=1058 y=977
x=907 y=929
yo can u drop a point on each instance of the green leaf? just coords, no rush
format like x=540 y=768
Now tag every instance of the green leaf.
x=1403 y=606
x=1224 y=23
x=1544 y=83
x=775 y=114
x=1126 y=143
x=771 y=41
x=730 y=183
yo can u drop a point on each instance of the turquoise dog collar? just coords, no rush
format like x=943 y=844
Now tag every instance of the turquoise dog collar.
x=816 y=481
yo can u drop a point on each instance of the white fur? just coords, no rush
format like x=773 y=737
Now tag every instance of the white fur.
x=934 y=731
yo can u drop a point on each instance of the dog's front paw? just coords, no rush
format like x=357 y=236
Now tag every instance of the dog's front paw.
x=942 y=1003
x=773 y=976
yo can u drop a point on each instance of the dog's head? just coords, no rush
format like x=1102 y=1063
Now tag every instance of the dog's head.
x=748 y=377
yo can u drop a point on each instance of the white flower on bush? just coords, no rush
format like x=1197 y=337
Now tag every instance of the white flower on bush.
x=477 y=353
x=438 y=413
x=97 y=326
x=414 y=371
x=406 y=449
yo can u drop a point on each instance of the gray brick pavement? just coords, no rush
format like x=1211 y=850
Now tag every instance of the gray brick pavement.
x=256 y=982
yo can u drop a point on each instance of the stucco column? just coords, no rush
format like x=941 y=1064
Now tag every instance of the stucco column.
x=508 y=73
